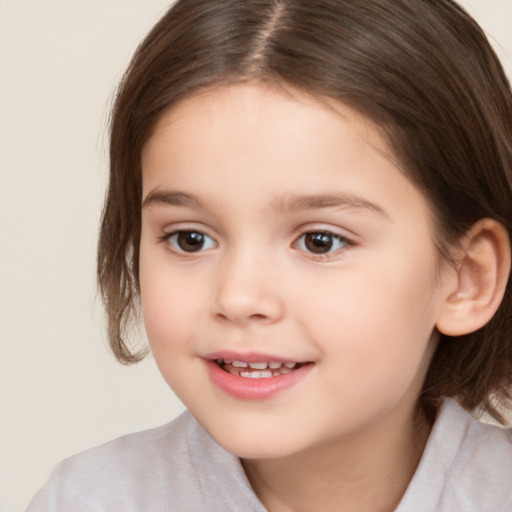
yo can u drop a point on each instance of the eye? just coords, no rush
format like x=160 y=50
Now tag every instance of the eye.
x=190 y=241
x=321 y=242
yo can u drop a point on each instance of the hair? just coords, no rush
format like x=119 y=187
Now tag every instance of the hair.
x=421 y=70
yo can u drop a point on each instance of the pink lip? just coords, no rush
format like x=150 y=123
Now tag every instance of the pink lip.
x=249 y=357
x=253 y=389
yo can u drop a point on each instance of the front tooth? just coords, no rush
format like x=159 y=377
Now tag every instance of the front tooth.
x=262 y=374
x=239 y=364
x=290 y=365
x=257 y=375
x=258 y=366
x=274 y=366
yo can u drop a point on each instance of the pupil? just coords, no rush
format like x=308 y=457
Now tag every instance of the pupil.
x=190 y=241
x=318 y=243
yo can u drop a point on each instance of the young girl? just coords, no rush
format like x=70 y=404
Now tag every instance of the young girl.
x=310 y=203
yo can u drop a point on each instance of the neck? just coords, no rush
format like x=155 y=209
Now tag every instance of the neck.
x=366 y=472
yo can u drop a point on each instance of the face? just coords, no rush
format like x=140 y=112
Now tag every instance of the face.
x=287 y=271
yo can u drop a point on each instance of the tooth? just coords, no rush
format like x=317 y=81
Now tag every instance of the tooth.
x=275 y=374
x=258 y=366
x=261 y=375
x=227 y=361
x=290 y=365
x=286 y=370
x=232 y=370
x=239 y=364
x=274 y=366
x=257 y=375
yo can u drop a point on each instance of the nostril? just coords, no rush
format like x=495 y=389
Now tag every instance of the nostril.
x=258 y=316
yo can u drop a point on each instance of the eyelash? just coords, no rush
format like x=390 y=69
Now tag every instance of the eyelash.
x=322 y=236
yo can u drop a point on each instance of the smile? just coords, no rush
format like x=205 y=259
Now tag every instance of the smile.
x=257 y=370
x=255 y=379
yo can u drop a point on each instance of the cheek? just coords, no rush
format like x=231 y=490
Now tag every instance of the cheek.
x=166 y=303
x=376 y=317
x=169 y=324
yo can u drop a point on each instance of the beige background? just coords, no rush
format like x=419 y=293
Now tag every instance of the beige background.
x=60 y=390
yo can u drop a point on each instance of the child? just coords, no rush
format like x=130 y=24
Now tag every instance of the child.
x=310 y=201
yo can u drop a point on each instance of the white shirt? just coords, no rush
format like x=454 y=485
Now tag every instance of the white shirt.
x=466 y=467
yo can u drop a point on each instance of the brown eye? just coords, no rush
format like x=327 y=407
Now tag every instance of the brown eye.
x=321 y=242
x=190 y=241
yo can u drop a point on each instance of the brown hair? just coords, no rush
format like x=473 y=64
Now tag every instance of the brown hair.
x=421 y=69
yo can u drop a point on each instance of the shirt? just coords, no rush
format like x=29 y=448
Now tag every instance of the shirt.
x=466 y=467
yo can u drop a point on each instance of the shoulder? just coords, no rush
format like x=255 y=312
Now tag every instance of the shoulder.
x=468 y=444
x=481 y=471
x=163 y=469
x=466 y=466
x=114 y=473
x=130 y=454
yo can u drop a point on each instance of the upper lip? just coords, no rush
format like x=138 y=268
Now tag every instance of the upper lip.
x=250 y=357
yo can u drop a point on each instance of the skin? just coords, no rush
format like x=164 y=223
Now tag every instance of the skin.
x=344 y=437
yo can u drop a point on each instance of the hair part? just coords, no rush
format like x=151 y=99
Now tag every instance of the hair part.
x=421 y=70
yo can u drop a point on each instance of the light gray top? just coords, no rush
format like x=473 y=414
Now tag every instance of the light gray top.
x=466 y=467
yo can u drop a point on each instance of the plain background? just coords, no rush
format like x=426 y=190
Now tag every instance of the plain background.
x=60 y=390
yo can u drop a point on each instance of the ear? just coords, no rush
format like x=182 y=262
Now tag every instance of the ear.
x=477 y=285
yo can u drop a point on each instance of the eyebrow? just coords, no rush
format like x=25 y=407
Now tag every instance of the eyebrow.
x=311 y=202
x=288 y=203
x=170 y=198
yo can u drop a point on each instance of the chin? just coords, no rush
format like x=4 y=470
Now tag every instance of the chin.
x=258 y=443
x=251 y=450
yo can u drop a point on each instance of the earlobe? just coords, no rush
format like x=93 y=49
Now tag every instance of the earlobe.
x=480 y=279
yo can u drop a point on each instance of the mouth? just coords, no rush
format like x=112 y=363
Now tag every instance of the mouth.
x=255 y=376
x=257 y=370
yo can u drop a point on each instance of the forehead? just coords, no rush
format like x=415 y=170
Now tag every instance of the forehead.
x=252 y=101
x=257 y=115
x=270 y=143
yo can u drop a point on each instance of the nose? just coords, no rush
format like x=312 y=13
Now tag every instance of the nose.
x=247 y=291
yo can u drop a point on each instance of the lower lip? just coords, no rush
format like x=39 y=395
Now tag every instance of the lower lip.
x=246 y=388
